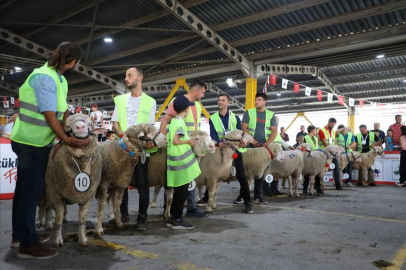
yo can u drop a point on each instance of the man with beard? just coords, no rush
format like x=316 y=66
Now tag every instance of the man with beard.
x=132 y=109
x=192 y=120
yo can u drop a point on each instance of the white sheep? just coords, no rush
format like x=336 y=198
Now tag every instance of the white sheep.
x=368 y=159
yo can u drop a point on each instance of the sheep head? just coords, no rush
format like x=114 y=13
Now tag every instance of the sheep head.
x=235 y=136
x=333 y=149
x=140 y=134
x=379 y=151
x=204 y=144
x=276 y=150
x=81 y=126
x=306 y=148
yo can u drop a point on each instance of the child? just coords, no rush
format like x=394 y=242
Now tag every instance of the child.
x=388 y=141
x=182 y=166
x=110 y=136
x=402 y=165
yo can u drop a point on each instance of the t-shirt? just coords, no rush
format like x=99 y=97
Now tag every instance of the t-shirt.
x=133 y=105
x=8 y=128
x=171 y=111
x=301 y=134
x=381 y=134
x=389 y=144
x=396 y=133
x=321 y=134
x=260 y=128
x=366 y=138
x=96 y=115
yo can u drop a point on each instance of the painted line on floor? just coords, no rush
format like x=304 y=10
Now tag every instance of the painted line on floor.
x=399 y=260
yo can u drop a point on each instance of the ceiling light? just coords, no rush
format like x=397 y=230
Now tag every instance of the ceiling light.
x=108 y=39
x=230 y=82
x=17 y=68
x=380 y=56
x=404 y=80
x=278 y=94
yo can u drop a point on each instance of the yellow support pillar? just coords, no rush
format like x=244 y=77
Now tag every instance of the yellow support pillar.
x=296 y=117
x=250 y=92
x=351 y=121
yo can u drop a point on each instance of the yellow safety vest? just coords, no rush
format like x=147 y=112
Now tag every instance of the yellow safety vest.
x=182 y=166
x=359 y=140
x=143 y=114
x=310 y=141
x=252 y=124
x=327 y=136
x=30 y=126
x=344 y=143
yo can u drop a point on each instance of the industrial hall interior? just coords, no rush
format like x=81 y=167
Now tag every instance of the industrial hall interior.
x=203 y=134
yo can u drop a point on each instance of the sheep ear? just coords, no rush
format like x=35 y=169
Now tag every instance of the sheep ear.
x=98 y=130
x=141 y=134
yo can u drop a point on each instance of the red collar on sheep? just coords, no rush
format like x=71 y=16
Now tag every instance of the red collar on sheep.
x=269 y=151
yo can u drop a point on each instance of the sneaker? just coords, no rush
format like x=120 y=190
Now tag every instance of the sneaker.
x=201 y=203
x=196 y=213
x=372 y=185
x=277 y=192
x=339 y=188
x=142 y=224
x=239 y=200
x=267 y=194
x=37 y=251
x=349 y=184
x=400 y=184
x=169 y=222
x=249 y=209
x=181 y=225
x=43 y=238
x=319 y=190
x=260 y=201
x=360 y=184
x=305 y=191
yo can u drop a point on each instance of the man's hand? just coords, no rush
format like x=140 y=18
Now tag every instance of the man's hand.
x=221 y=145
x=191 y=143
x=254 y=142
x=149 y=145
x=242 y=144
x=77 y=143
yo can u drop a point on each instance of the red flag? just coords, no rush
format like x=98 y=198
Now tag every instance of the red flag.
x=400 y=108
x=381 y=106
x=264 y=90
x=17 y=103
x=267 y=82
x=296 y=87
x=361 y=103
x=273 y=79
x=341 y=100
x=319 y=95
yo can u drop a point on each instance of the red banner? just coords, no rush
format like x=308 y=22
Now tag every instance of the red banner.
x=319 y=95
x=361 y=103
x=296 y=87
x=273 y=79
x=381 y=106
x=17 y=103
x=341 y=100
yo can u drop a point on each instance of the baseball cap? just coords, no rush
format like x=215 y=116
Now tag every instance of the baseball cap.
x=181 y=103
x=95 y=105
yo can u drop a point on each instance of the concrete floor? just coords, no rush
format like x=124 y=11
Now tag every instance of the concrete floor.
x=356 y=228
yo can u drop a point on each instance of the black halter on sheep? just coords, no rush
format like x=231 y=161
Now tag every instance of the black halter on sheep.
x=119 y=160
x=72 y=177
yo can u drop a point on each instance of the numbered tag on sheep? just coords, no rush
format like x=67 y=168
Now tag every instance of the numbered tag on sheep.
x=332 y=166
x=233 y=171
x=82 y=182
x=346 y=176
x=373 y=167
x=143 y=157
x=269 y=178
x=192 y=185
x=326 y=178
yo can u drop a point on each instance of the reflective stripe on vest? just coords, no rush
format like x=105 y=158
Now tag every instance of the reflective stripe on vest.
x=30 y=126
x=341 y=141
x=190 y=120
x=310 y=141
x=252 y=124
x=182 y=166
x=144 y=111
x=327 y=137
x=371 y=140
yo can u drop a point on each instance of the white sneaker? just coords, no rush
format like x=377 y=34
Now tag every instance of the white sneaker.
x=399 y=184
x=349 y=184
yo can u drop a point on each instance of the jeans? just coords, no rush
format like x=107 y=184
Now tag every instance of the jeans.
x=142 y=184
x=179 y=197
x=348 y=170
x=32 y=163
x=402 y=166
x=336 y=173
x=191 y=200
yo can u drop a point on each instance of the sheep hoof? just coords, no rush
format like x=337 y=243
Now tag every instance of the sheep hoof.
x=297 y=195
x=49 y=228
x=39 y=225
x=83 y=243
x=152 y=205
x=209 y=210
x=214 y=206
x=120 y=226
x=58 y=243
x=98 y=232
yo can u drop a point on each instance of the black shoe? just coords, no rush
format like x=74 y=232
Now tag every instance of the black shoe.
x=260 y=201
x=201 y=202
x=277 y=192
x=319 y=190
x=179 y=225
x=360 y=184
x=305 y=191
x=267 y=194
x=125 y=219
x=142 y=224
x=249 y=209
x=339 y=188
x=239 y=200
x=372 y=185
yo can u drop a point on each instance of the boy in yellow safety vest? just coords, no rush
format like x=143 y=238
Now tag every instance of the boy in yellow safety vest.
x=311 y=139
x=182 y=165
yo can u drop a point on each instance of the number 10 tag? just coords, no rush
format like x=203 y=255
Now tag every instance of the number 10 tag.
x=82 y=182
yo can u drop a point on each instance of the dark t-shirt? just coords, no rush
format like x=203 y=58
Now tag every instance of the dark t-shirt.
x=366 y=137
x=260 y=129
x=301 y=134
x=381 y=134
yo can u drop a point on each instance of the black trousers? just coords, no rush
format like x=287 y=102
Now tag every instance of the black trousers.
x=348 y=170
x=402 y=166
x=32 y=163
x=179 y=198
x=307 y=180
x=142 y=184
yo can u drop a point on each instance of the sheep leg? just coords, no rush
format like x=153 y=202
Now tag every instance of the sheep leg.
x=65 y=213
x=49 y=226
x=211 y=189
x=290 y=186
x=284 y=182
x=101 y=196
x=40 y=217
x=155 y=195
x=214 y=205
x=297 y=185
x=311 y=181
x=169 y=199
x=59 y=209
x=199 y=193
x=110 y=206
x=82 y=223
x=118 y=198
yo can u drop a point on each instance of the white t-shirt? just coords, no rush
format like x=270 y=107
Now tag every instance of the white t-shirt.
x=97 y=115
x=133 y=106
x=8 y=128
